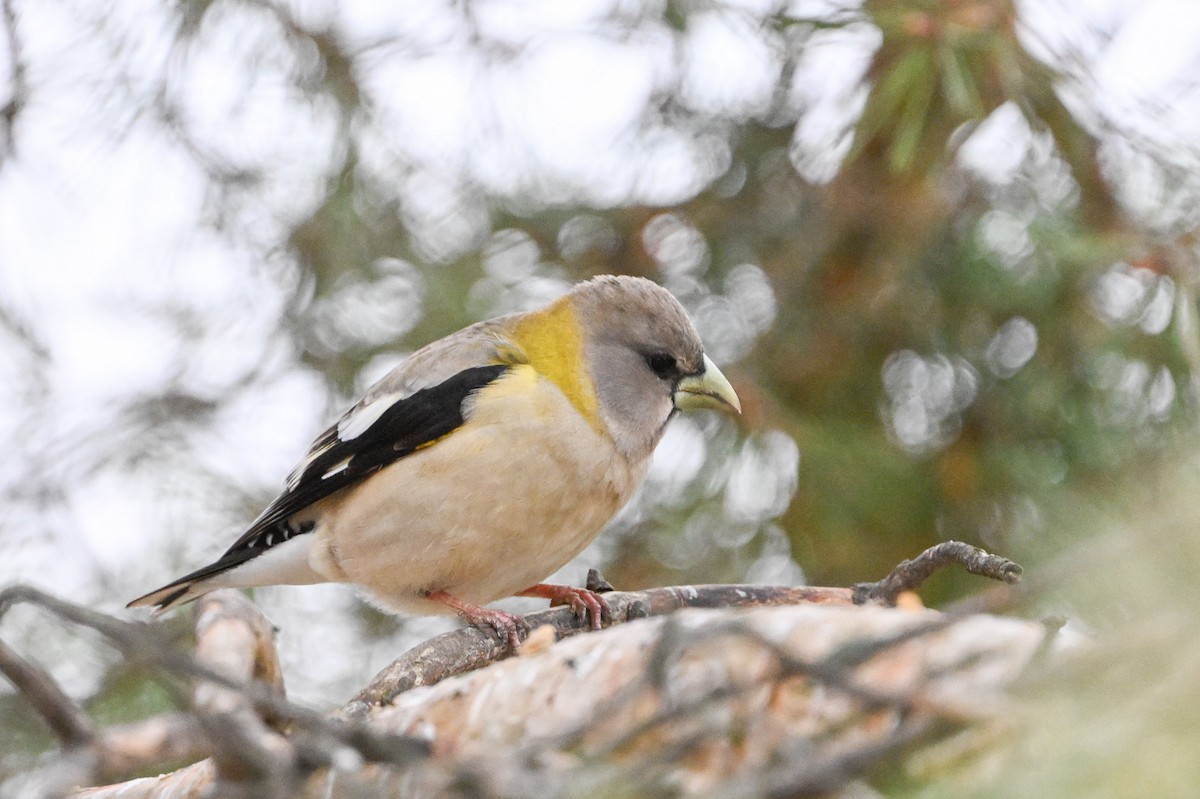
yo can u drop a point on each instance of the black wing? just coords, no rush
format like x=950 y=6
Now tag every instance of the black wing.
x=401 y=428
x=406 y=426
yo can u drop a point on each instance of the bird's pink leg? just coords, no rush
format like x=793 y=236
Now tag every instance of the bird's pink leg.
x=582 y=601
x=508 y=626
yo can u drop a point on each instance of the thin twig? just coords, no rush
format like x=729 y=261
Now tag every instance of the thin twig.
x=65 y=719
x=912 y=573
x=141 y=643
x=17 y=78
x=148 y=744
x=249 y=750
x=235 y=639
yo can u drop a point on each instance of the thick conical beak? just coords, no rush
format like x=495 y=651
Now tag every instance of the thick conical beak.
x=709 y=389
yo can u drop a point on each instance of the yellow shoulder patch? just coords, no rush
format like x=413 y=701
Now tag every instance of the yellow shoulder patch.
x=550 y=341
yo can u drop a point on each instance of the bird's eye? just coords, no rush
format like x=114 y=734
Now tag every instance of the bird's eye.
x=661 y=364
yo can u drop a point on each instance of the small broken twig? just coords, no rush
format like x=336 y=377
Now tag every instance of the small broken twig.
x=912 y=573
x=65 y=719
x=234 y=639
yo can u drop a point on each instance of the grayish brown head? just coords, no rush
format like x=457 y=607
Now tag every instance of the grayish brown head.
x=646 y=358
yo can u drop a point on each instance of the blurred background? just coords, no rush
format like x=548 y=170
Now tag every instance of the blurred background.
x=944 y=249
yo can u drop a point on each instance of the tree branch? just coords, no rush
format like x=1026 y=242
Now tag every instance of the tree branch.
x=234 y=639
x=227 y=706
x=469 y=648
x=910 y=574
x=636 y=689
x=65 y=719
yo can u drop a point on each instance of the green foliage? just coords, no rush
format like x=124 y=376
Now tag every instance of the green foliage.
x=130 y=694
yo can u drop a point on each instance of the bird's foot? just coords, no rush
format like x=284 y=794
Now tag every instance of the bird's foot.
x=507 y=626
x=585 y=604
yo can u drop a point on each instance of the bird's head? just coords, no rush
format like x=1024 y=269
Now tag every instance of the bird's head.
x=646 y=359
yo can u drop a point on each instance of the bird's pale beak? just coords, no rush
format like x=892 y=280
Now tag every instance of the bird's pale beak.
x=709 y=389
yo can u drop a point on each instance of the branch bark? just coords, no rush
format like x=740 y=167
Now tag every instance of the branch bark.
x=779 y=701
x=468 y=649
x=235 y=640
x=710 y=686
x=65 y=719
x=911 y=574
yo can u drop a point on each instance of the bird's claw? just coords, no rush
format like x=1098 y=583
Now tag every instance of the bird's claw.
x=508 y=627
x=584 y=604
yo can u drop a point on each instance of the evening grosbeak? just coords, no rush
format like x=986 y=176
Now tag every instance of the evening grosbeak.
x=484 y=462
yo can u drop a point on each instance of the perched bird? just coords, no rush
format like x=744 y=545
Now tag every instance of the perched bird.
x=484 y=462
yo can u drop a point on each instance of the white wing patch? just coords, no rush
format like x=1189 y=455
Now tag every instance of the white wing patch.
x=431 y=365
x=293 y=479
x=357 y=422
x=337 y=467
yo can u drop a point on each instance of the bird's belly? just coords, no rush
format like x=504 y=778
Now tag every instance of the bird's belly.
x=476 y=515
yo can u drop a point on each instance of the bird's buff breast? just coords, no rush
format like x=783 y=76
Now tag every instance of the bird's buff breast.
x=491 y=509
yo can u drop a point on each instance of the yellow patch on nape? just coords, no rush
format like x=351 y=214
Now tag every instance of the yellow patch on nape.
x=550 y=341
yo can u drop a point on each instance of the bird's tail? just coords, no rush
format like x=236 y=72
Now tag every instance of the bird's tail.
x=191 y=586
x=284 y=563
x=173 y=595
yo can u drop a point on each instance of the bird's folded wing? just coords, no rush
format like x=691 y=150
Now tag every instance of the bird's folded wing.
x=417 y=403
x=352 y=449
x=411 y=406
x=399 y=427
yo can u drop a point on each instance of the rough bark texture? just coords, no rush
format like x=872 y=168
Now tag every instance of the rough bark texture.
x=468 y=649
x=720 y=690
x=773 y=701
x=709 y=700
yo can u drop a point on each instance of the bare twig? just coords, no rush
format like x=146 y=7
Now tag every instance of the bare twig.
x=912 y=573
x=17 y=78
x=234 y=638
x=65 y=719
x=146 y=745
x=319 y=739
